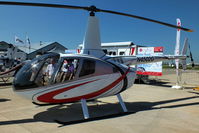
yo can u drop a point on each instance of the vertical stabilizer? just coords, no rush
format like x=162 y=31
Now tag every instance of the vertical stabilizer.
x=92 y=42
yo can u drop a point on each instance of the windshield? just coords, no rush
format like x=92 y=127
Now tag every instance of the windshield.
x=36 y=73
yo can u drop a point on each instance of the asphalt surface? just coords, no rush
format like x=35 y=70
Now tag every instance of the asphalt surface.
x=153 y=108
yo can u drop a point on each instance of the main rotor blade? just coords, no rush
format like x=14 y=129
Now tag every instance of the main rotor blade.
x=42 y=5
x=92 y=9
x=147 y=19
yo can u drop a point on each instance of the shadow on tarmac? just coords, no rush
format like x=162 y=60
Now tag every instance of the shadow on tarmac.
x=71 y=113
x=197 y=93
x=5 y=85
x=162 y=83
x=4 y=100
x=155 y=83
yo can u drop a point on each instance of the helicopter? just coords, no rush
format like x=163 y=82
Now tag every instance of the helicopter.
x=68 y=78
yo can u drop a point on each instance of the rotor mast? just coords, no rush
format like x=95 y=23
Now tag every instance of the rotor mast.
x=92 y=41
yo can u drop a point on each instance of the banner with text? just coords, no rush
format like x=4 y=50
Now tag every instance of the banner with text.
x=154 y=69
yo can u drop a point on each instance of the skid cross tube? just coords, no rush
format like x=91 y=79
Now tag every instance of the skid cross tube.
x=85 y=109
x=122 y=103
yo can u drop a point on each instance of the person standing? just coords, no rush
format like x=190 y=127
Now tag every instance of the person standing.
x=64 y=71
x=50 y=69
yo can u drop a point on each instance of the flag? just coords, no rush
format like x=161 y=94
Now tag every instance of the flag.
x=177 y=50
x=27 y=40
x=18 y=40
x=40 y=43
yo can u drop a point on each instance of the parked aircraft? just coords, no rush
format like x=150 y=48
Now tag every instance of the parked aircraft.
x=61 y=78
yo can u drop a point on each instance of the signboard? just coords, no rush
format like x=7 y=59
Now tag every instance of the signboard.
x=154 y=69
x=71 y=51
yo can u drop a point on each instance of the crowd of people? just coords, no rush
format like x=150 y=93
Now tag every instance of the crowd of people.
x=43 y=76
x=67 y=70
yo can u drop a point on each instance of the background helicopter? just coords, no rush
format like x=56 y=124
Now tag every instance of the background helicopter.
x=92 y=75
x=10 y=62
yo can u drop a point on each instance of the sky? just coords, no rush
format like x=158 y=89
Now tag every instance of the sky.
x=67 y=26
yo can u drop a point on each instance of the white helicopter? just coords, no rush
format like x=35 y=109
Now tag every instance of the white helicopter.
x=81 y=77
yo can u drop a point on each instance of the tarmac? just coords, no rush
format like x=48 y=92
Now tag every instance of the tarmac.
x=153 y=107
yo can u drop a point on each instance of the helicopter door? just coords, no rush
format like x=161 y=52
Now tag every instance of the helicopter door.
x=71 y=69
x=88 y=67
x=67 y=70
x=92 y=67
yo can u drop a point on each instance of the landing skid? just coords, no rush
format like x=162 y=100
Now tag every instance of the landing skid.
x=87 y=116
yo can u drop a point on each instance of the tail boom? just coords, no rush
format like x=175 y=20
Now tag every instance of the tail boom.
x=133 y=60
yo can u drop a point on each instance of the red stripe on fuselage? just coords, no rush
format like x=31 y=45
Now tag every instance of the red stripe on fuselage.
x=48 y=97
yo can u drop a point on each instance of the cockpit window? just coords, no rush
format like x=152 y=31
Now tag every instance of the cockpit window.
x=88 y=68
x=36 y=73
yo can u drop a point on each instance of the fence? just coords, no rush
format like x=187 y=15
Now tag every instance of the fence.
x=187 y=77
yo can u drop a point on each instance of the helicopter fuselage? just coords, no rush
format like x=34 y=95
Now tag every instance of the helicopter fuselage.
x=74 y=77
